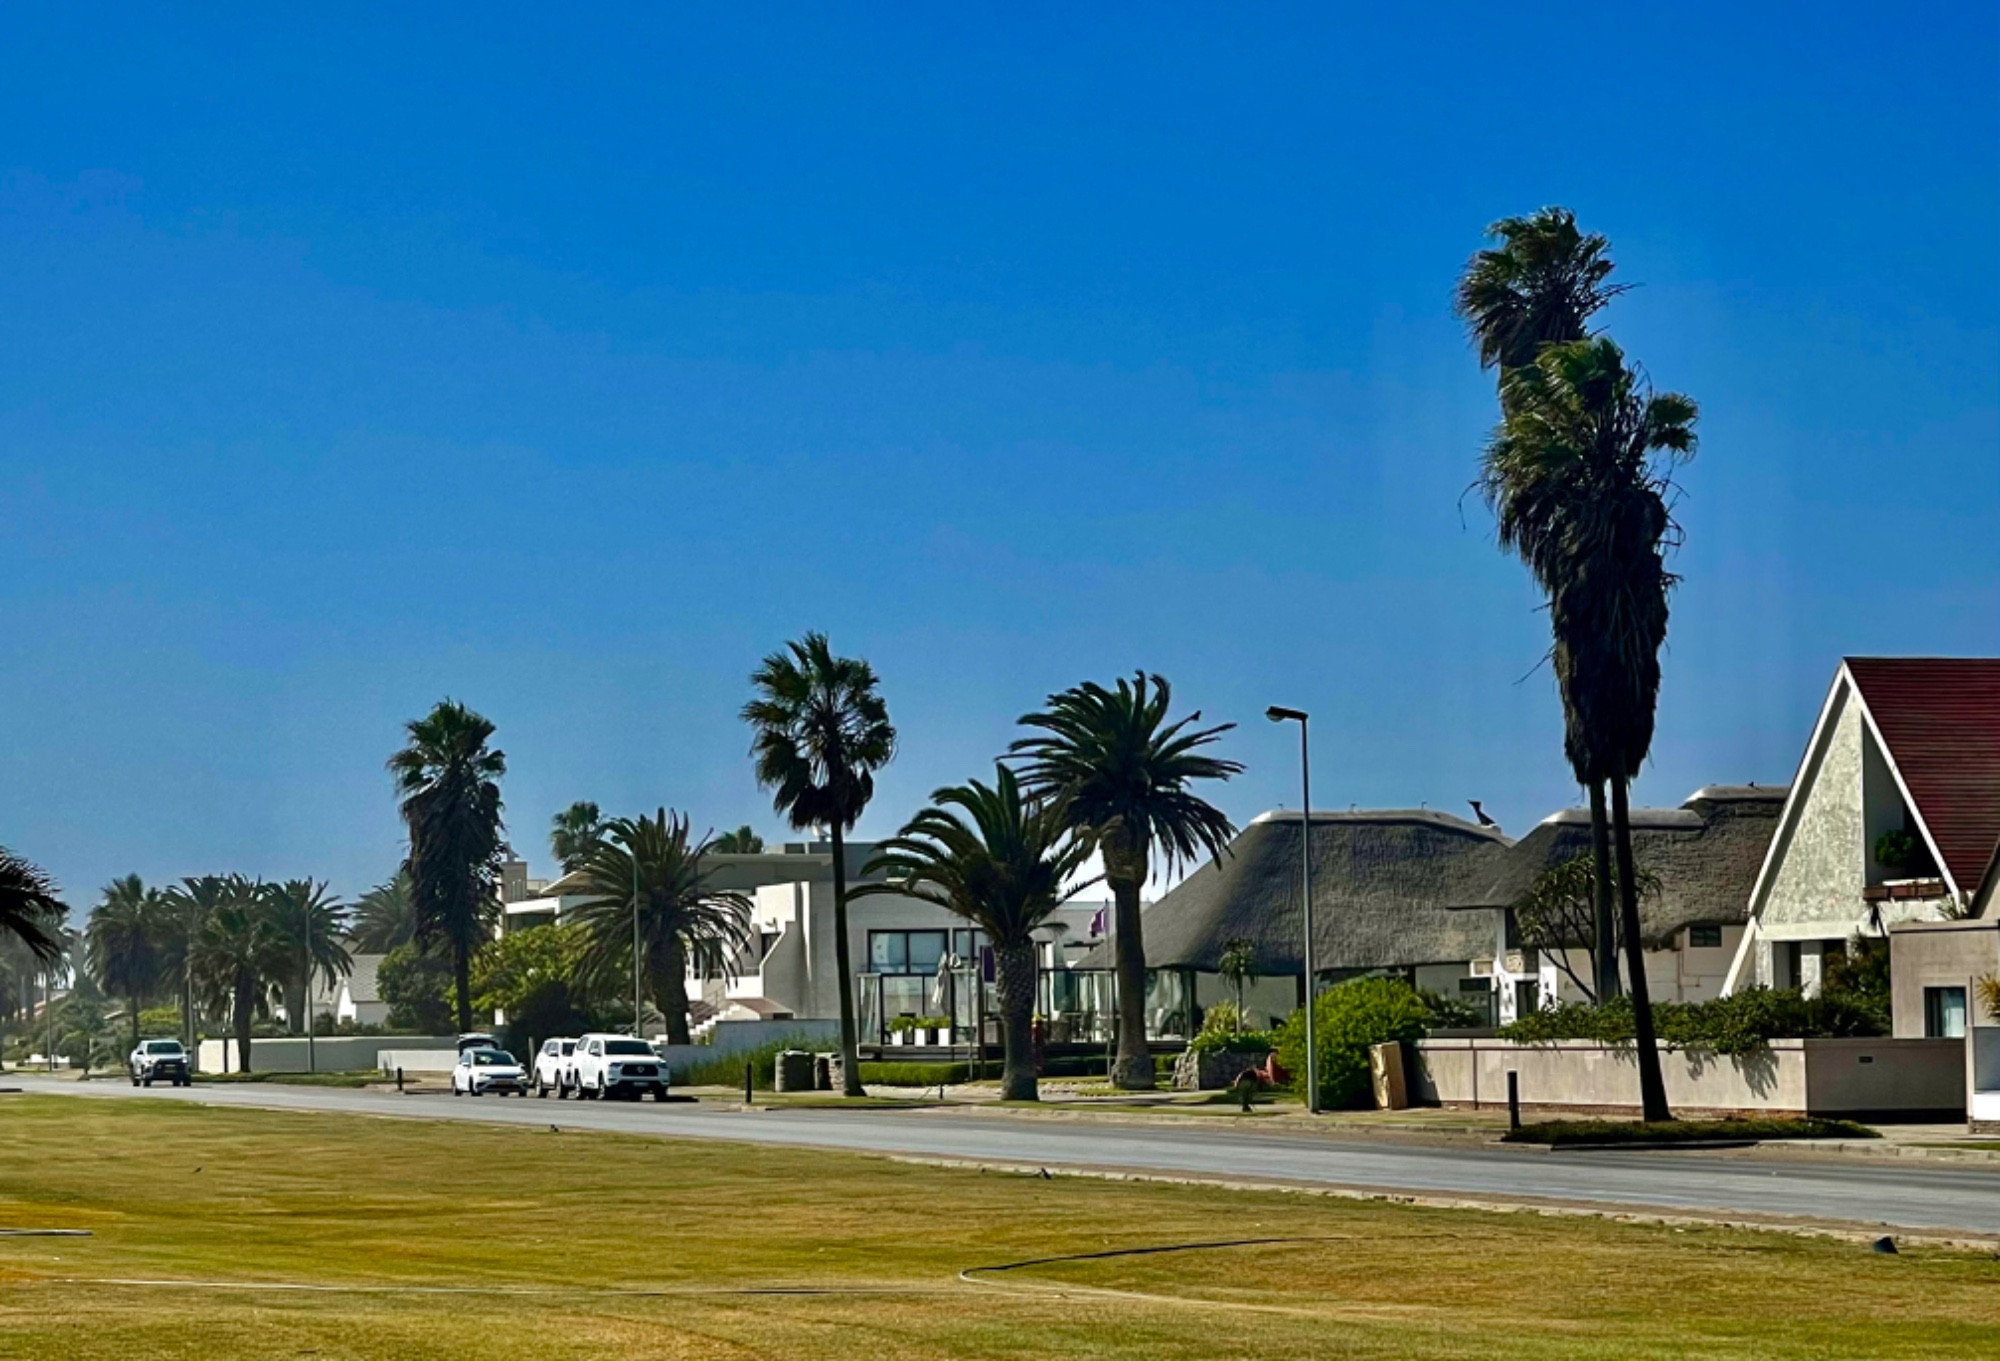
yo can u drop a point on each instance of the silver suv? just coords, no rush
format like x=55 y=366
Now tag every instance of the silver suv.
x=160 y=1061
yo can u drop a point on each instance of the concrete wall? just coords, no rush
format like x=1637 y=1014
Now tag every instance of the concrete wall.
x=1818 y=1077
x=1815 y=891
x=1982 y=1064
x=331 y=1054
x=1937 y=955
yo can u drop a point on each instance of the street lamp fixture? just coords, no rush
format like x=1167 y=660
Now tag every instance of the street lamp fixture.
x=1277 y=713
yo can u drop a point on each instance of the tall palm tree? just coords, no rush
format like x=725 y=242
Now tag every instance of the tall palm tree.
x=239 y=953
x=448 y=778
x=819 y=732
x=122 y=944
x=742 y=841
x=30 y=912
x=385 y=916
x=1004 y=863
x=1539 y=285
x=683 y=921
x=187 y=909
x=1579 y=474
x=1124 y=773
x=313 y=925
x=574 y=834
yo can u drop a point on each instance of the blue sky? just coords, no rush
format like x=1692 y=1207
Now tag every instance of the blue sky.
x=566 y=366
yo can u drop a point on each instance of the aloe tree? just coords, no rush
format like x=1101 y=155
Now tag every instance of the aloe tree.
x=683 y=922
x=1538 y=285
x=574 y=834
x=819 y=732
x=1238 y=965
x=1124 y=773
x=122 y=944
x=239 y=953
x=384 y=917
x=448 y=777
x=1579 y=473
x=1004 y=863
x=313 y=924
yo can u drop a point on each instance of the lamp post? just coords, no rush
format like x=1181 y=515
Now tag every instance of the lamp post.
x=1279 y=714
x=638 y=1012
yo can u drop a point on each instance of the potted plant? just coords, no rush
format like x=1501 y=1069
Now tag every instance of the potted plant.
x=903 y=1030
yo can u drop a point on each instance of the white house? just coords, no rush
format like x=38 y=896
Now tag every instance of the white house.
x=1893 y=818
x=354 y=998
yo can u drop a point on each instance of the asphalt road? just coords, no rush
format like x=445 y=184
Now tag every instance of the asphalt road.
x=1899 y=1194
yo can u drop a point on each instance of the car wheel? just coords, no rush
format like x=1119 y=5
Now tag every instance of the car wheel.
x=135 y=1079
x=149 y=1082
x=541 y=1088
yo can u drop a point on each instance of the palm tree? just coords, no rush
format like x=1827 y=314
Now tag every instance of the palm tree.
x=122 y=944
x=188 y=906
x=240 y=951
x=1238 y=965
x=742 y=841
x=30 y=912
x=1004 y=863
x=682 y=921
x=820 y=731
x=1575 y=478
x=1539 y=286
x=448 y=779
x=384 y=916
x=1123 y=773
x=574 y=833
x=313 y=925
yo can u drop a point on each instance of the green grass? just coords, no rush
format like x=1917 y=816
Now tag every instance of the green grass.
x=361 y=1078
x=1557 y=1133
x=172 y=1191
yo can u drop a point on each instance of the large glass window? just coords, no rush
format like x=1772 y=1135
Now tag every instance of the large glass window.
x=912 y=952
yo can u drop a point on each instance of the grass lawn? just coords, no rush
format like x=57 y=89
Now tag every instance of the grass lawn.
x=872 y=1247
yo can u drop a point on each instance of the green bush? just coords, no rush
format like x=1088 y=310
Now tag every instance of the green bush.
x=726 y=1070
x=1557 y=1133
x=1219 y=1034
x=1738 y=1024
x=1350 y=1018
x=923 y=1074
x=160 y=1022
x=418 y=987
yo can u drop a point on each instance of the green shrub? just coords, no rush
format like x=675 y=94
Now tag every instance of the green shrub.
x=161 y=1022
x=1350 y=1018
x=726 y=1070
x=1557 y=1133
x=1219 y=1034
x=1454 y=1013
x=418 y=987
x=1738 y=1024
x=922 y=1074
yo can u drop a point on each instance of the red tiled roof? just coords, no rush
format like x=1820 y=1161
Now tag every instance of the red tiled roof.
x=1940 y=717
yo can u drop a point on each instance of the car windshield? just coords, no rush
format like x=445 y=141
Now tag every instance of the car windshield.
x=628 y=1047
x=163 y=1046
x=487 y=1058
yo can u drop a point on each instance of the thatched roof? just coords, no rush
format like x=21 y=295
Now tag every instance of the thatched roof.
x=1384 y=884
x=1705 y=856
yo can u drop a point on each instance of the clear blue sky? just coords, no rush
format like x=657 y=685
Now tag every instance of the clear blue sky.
x=566 y=365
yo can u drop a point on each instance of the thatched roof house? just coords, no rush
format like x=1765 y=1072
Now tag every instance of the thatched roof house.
x=1703 y=856
x=1384 y=886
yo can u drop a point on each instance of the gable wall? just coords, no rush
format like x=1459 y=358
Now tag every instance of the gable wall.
x=1818 y=877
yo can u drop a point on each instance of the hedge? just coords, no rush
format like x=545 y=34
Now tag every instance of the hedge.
x=1557 y=1133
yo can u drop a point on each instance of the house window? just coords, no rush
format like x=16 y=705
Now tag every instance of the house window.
x=1704 y=938
x=1944 y=1013
x=906 y=952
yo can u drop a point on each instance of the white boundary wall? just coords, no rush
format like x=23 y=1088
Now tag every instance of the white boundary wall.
x=1880 y=1077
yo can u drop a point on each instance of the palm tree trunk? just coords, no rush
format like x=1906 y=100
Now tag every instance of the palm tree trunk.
x=1133 y=1069
x=245 y=1001
x=1652 y=1085
x=461 y=978
x=850 y=1049
x=132 y=1005
x=670 y=987
x=1015 y=965
x=1605 y=957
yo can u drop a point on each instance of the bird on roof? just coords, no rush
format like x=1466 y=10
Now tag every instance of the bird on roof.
x=1484 y=819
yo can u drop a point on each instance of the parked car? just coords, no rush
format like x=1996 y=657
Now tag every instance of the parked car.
x=480 y=1071
x=553 y=1065
x=618 y=1065
x=160 y=1060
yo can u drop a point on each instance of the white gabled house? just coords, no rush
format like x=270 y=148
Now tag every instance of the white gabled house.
x=1893 y=819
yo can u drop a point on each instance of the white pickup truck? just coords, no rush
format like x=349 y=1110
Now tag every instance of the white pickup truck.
x=606 y=1066
x=553 y=1064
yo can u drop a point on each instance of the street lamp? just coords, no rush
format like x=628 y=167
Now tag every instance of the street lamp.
x=1279 y=714
x=638 y=1006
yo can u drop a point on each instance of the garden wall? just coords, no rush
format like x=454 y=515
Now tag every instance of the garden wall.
x=331 y=1053
x=1906 y=1079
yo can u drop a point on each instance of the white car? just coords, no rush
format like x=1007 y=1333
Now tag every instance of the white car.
x=553 y=1063
x=480 y=1071
x=617 y=1065
x=160 y=1061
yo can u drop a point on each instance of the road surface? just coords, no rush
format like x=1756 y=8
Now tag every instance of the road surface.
x=1901 y=1194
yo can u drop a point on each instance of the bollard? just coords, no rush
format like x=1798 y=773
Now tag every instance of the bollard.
x=399 y=1077
x=1513 y=1099
x=748 y=1068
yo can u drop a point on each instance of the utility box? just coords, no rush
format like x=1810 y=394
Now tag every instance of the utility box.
x=1385 y=1065
x=794 y=1071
